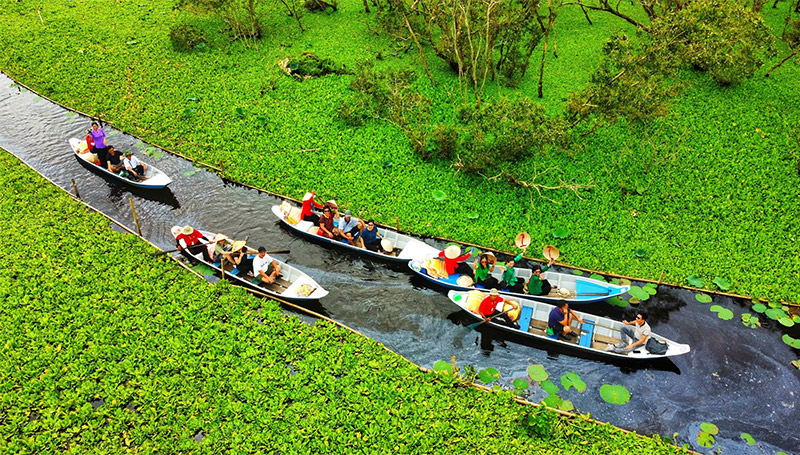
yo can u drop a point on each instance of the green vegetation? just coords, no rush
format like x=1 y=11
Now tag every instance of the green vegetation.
x=161 y=357
x=708 y=190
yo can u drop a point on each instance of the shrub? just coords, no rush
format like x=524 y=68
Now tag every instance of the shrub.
x=186 y=37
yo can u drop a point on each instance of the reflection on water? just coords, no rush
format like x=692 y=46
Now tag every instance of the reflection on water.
x=736 y=377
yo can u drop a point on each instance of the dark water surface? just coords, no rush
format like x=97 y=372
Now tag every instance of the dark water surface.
x=738 y=378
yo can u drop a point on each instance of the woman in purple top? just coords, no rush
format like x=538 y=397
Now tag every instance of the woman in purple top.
x=100 y=148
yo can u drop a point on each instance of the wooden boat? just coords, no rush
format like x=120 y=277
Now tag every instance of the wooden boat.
x=406 y=248
x=566 y=286
x=596 y=333
x=154 y=178
x=293 y=284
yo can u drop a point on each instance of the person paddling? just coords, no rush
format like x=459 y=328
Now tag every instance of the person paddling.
x=193 y=241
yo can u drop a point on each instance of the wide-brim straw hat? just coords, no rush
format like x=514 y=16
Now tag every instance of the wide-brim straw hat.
x=307 y=196
x=494 y=292
x=219 y=237
x=387 y=245
x=465 y=281
x=332 y=204
x=237 y=245
x=452 y=252
x=187 y=230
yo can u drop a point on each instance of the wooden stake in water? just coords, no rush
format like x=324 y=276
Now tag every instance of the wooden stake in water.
x=75 y=187
x=397 y=223
x=222 y=266
x=135 y=217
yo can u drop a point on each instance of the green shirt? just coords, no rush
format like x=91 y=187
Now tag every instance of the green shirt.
x=535 y=284
x=481 y=273
x=509 y=275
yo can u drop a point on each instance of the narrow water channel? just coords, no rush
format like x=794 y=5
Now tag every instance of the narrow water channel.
x=737 y=378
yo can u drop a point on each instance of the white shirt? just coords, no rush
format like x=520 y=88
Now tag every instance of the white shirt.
x=260 y=264
x=131 y=163
x=641 y=331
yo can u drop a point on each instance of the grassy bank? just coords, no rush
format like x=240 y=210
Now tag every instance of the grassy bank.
x=107 y=349
x=711 y=190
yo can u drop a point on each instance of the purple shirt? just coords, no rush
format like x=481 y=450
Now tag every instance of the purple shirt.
x=99 y=138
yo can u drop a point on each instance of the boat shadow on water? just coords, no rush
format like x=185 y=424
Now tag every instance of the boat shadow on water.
x=488 y=336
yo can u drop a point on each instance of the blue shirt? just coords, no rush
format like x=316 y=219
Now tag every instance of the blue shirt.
x=554 y=321
x=370 y=237
x=347 y=226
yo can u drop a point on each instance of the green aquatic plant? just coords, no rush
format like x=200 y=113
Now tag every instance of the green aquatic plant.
x=640 y=252
x=488 y=375
x=751 y=321
x=439 y=195
x=706 y=435
x=560 y=233
x=793 y=342
x=695 y=281
x=703 y=298
x=520 y=384
x=615 y=394
x=759 y=308
x=722 y=283
x=722 y=312
x=572 y=379
x=537 y=373
x=639 y=293
x=748 y=439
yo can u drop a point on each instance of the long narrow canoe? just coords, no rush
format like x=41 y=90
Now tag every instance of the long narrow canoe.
x=566 y=286
x=154 y=177
x=596 y=333
x=293 y=284
x=406 y=248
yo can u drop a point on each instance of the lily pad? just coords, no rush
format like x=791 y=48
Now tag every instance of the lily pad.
x=595 y=276
x=793 y=342
x=550 y=387
x=472 y=216
x=439 y=195
x=614 y=281
x=759 y=308
x=188 y=112
x=442 y=366
x=749 y=320
x=703 y=298
x=650 y=290
x=537 y=373
x=566 y=405
x=640 y=252
x=786 y=322
x=709 y=428
x=634 y=301
x=748 y=439
x=577 y=272
x=573 y=380
x=705 y=439
x=560 y=233
x=520 y=384
x=239 y=112
x=722 y=283
x=552 y=401
x=695 y=281
x=615 y=394
x=722 y=312
x=488 y=375
x=639 y=293
x=190 y=173
x=775 y=314
x=616 y=301
x=624 y=282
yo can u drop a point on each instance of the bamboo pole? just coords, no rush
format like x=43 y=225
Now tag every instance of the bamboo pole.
x=222 y=266
x=135 y=217
x=75 y=187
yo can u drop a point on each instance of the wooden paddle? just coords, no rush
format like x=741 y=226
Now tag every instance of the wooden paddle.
x=476 y=324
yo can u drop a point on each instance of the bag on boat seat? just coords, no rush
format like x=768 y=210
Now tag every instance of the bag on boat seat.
x=294 y=215
x=656 y=347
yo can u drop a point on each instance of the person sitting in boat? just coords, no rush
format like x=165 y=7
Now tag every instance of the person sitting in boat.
x=560 y=320
x=134 y=166
x=99 y=147
x=350 y=229
x=90 y=157
x=637 y=334
x=371 y=237
x=308 y=203
x=239 y=256
x=538 y=285
x=218 y=247
x=114 y=161
x=510 y=279
x=265 y=267
x=453 y=261
x=492 y=307
x=193 y=240
x=326 y=224
x=484 y=266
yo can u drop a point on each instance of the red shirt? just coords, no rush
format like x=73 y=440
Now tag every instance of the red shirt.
x=488 y=305
x=307 y=207
x=89 y=142
x=451 y=264
x=190 y=239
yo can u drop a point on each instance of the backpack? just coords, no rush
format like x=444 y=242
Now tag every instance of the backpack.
x=656 y=347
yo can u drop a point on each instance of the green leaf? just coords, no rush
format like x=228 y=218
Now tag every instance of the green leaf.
x=550 y=387
x=793 y=342
x=573 y=380
x=239 y=112
x=537 y=373
x=759 y=308
x=595 y=276
x=442 y=366
x=786 y=322
x=472 y=216
x=650 y=290
x=190 y=173
x=705 y=439
x=640 y=252
x=520 y=384
x=489 y=375
x=695 y=281
x=560 y=233
x=722 y=283
x=566 y=405
x=703 y=298
x=775 y=314
x=577 y=272
x=722 y=312
x=749 y=439
x=552 y=401
x=709 y=428
x=616 y=301
x=639 y=293
x=615 y=394
x=203 y=269
x=439 y=195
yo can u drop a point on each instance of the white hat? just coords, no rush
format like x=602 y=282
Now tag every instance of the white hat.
x=187 y=230
x=220 y=237
x=307 y=196
x=465 y=281
x=452 y=252
x=494 y=292
x=387 y=245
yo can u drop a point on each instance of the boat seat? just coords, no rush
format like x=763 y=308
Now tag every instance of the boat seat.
x=538 y=326
x=606 y=339
x=525 y=318
x=588 y=331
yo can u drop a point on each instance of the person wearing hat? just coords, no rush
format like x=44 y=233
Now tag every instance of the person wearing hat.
x=114 y=160
x=239 y=256
x=492 y=306
x=538 y=285
x=264 y=267
x=371 y=237
x=453 y=261
x=219 y=247
x=387 y=247
x=484 y=266
x=350 y=229
x=510 y=280
x=134 y=166
x=308 y=203
x=192 y=240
